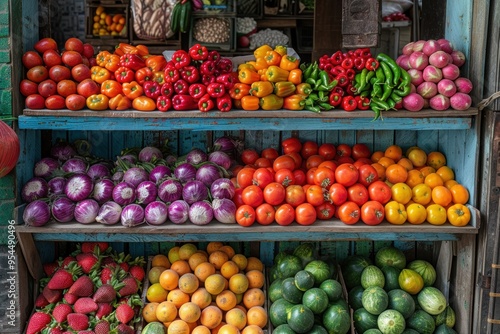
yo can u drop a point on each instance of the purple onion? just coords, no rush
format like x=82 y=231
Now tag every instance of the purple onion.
x=224 y=210
x=159 y=173
x=170 y=190
x=78 y=187
x=135 y=175
x=117 y=176
x=185 y=172
x=178 y=212
x=201 y=213
x=46 y=167
x=103 y=190
x=225 y=144
x=132 y=215
x=130 y=158
x=34 y=189
x=109 y=213
x=194 y=191
x=123 y=193
x=196 y=156
x=62 y=151
x=75 y=165
x=220 y=158
x=156 y=213
x=149 y=154
x=208 y=173
x=222 y=188
x=98 y=171
x=36 y=213
x=170 y=159
x=86 y=211
x=56 y=185
x=63 y=209
x=146 y=192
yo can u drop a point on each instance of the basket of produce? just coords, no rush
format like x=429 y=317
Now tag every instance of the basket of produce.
x=252 y=8
x=151 y=19
x=213 y=32
x=108 y=21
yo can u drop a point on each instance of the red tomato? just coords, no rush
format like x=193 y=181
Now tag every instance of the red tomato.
x=305 y=214
x=269 y=153
x=285 y=214
x=71 y=58
x=34 y=101
x=349 y=213
x=329 y=164
x=362 y=161
x=37 y=73
x=379 y=191
x=290 y=145
x=55 y=102
x=249 y=156
x=338 y=194
x=360 y=151
x=315 y=195
x=300 y=177
x=253 y=196
x=88 y=50
x=325 y=211
x=75 y=102
x=344 y=150
x=310 y=175
x=327 y=151
x=295 y=195
x=244 y=178
x=372 y=213
x=51 y=58
x=367 y=175
x=66 y=88
x=262 y=177
x=59 y=72
x=245 y=215
x=345 y=160
x=31 y=59
x=264 y=214
x=358 y=194
x=346 y=174
x=47 y=88
x=28 y=87
x=274 y=193
x=297 y=158
x=283 y=162
x=237 y=198
x=309 y=148
x=314 y=161
x=74 y=44
x=324 y=177
x=284 y=177
x=80 y=72
x=45 y=44
x=87 y=87
x=263 y=162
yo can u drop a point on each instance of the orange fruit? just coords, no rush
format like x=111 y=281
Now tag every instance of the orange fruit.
x=238 y=283
x=188 y=283
x=218 y=258
x=203 y=270
x=216 y=329
x=459 y=194
x=446 y=173
x=178 y=297
x=414 y=177
x=380 y=170
x=178 y=327
x=186 y=250
x=376 y=156
x=396 y=173
x=154 y=274
x=226 y=300
x=213 y=246
x=211 y=316
x=257 y=315
x=406 y=163
x=417 y=156
x=181 y=267
x=252 y=329
x=228 y=250
x=228 y=329
x=160 y=260
x=201 y=297
x=156 y=293
x=254 y=263
x=201 y=330
x=189 y=312
x=426 y=170
x=240 y=260
x=169 y=279
x=253 y=297
x=386 y=161
x=215 y=284
x=229 y=268
x=433 y=180
x=149 y=312
x=197 y=258
x=173 y=254
x=401 y=193
x=450 y=183
x=236 y=317
x=422 y=194
x=436 y=160
x=441 y=195
x=255 y=278
x=394 y=152
x=166 y=311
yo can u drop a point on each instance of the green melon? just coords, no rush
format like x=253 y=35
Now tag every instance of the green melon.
x=320 y=271
x=443 y=329
x=352 y=267
x=280 y=257
x=425 y=269
x=390 y=256
x=289 y=266
x=283 y=329
x=154 y=328
x=354 y=297
x=372 y=276
x=402 y=302
x=422 y=322
x=290 y=291
x=306 y=252
x=336 y=319
x=318 y=329
x=300 y=319
x=340 y=302
x=304 y=280
x=432 y=300
x=391 y=275
x=410 y=331
x=316 y=300
x=278 y=311
x=274 y=273
x=373 y=331
x=332 y=288
x=275 y=290
x=364 y=320
x=391 y=322
x=375 y=300
x=446 y=317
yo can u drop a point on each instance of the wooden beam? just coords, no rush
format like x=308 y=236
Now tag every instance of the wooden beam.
x=327 y=36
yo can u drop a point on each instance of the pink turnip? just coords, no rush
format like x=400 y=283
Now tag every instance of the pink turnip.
x=446 y=45
x=430 y=47
x=439 y=102
x=446 y=87
x=416 y=76
x=418 y=60
x=413 y=102
x=418 y=45
x=413 y=88
x=404 y=62
x=427 y=89
x=408 y=49
x=439 y=59
x=464 y=85
x=432 y=74
x=451 y=71
x=460 y=101
x=458 y=58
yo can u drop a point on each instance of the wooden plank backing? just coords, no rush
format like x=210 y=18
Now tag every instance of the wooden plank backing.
x=360 y=23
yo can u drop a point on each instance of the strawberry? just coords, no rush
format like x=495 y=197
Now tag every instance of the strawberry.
x=90 y=247
x=70 y=298
x=85 y=305
x=102 y=327
x=108 y=261
x=61 y=311
x=78 y=321
x=51 y=295
x=64 y=278
x=50 y=268
x=122 y=260
x=130 y=287
x=124 y=313
x=103 y=309
x=41 y=301
x=138 y=272
x=106 y=293
x=38 y=321
x=83 y=287
x=86 y=332
x=125 y=329
x=67 y=260
x=88 y=262
x=53 y=330
x=106 y=274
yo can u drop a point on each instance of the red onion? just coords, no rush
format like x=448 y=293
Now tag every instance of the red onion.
x=156 y=213
x=46 y=167
x=220 y=158
x=150 y=154
x=62 y=151
x=103 y=190
x=170 y=190
x=124 y=193
x=75 y=165
x=194 y=191
x=109 y=213
x=98 y=171
x=132 y=215
x=146 y=192
x=135 y=175
x=201 y=213
x=158 y=173
x=185 y=172
x=34 y=189
x=36 y=213
x=178 y=212
x=130 y=158
x=56 y=185
x=170 y=159
x=196 y=156
x=208 y=173
x=86 y=211
x=222 y=188
x=63 y=209
x=224 y=210
x=78 y=187
x=117 y=176
x=226 y=144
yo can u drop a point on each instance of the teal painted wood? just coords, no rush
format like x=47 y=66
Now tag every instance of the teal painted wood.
x=29 y=155
x=136 y=249
x=166 y=246
x=342 y=250
x=267 y=253
x=46 y=250
x=117 y=244
x=99 y=141
x=363 y=248
x=458 y=27
x=188 y=140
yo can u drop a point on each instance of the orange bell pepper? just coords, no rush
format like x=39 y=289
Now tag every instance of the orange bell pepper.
x=275 y=74
x=97 y=102
x=100 y=59
x=289 y=63
x=271 y=102
x=272 y=58
x=112 y=62
x=120 y=102
x=295 y=76
x=261 y=88
x=111 y=88
x=156 y=63
x=260 y=52
x=248 y=76
x=281 y=49
x=246 y=65
x=260 y=63
x=142 y=50
x=294 y=102
x=239 y=90
x=159 y=77
x=143 y=103
x=99 y=74
x=250 y=102
x=132 y=89
x=123 y=48
x=284 y=88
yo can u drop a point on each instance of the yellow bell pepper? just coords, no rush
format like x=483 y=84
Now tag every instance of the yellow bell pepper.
x=248 y=76
x=284 y=88
x=260 y=52
x=246 y=65
x=273 y=58
x=261 y=88
x=260 y=63
x=250 y=102
x=281 y=49
x=294 y=102
x=275 y=74
x=271 y=102
x=289 y=63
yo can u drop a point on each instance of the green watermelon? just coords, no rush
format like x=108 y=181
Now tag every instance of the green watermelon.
x=402 y=302
x=336 y=320
x=306 y=252
x=352 y=267
x=431 y=300
x=316 y=300
x=320 y=271
x=279 y=257
x=390 y=256
x=278 y=311
x=375 y=300
x=289 y=266
x=332 y=288
x=155 y=327
x=283 y=329
x=391 y=275
x=304 y=280
x=372 y=276
x=317 y=329
x=354 y=297
x=340 y=302
x=446 y=317
x=373 y=331
x=391 y=322
x=443 y=329
x=422 y=322
x=274 y=273
x=275 y=290
x=410 y=331
x=364 y=320
x=300 y=318
x=290 y=291
x=425 y=269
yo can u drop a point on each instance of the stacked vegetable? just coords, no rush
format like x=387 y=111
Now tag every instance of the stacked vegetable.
x=10 y=148
x=393 y=296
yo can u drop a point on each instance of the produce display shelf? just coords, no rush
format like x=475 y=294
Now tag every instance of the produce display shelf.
x=245 y=120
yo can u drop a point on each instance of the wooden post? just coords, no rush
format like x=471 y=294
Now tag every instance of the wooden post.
x=327 y=36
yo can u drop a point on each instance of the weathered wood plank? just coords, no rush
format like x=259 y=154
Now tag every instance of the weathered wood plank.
x=30 y=252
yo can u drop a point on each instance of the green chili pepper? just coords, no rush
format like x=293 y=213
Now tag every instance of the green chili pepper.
x=396 y=70
x=377 y=89
x=362 y=80
x=322 y=88
x=376 y=111
x=311 y=81
x=395 y=97
x=406 y=79
x=332 y=85
x=321 y=96
x=387 y=91
x=307 y=72
x=369 y=76
x=406 y=90
x=387 y=73
x=379 y=72
x=313 y=96
x=323 y=76
x=312 y=108
x=365 y=93
x=325 y=106
x=391 y=103
x=315 y=71
x=379 y=103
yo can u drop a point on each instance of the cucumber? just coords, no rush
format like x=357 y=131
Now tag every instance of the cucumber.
x=174 y=17
x=185 y=16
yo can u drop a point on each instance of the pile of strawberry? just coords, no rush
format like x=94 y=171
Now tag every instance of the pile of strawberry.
x=93 y=290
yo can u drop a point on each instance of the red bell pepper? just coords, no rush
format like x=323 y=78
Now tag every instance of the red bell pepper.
x=359 y=63
x=190 y=74
x=336 y=58
x=181 y=58
x=328 y=67
x=171 y=73
x=335 y=99
x=347 y=63
x=143 y=74
x=363 y=103
x=206 y=103
x=207 y=79
x=163 y=103
x=225 y=65
x=216 y=89
x=349 y=103
x=198 y=52
x=350 y=73
x=152 y=89
x=224 y=102
x=227 y=79
x=372 y=64
x=365 y=53
x=197 y=90
x=350 y=90
x=181 y=87
x=338 y=89
x=132 y=61
x=184 y=102
x=336 y=70
x=323 y=60
x=214 y=56
x=342 y=80
x=124 y=74
x=167 y=89
x=207 y=68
